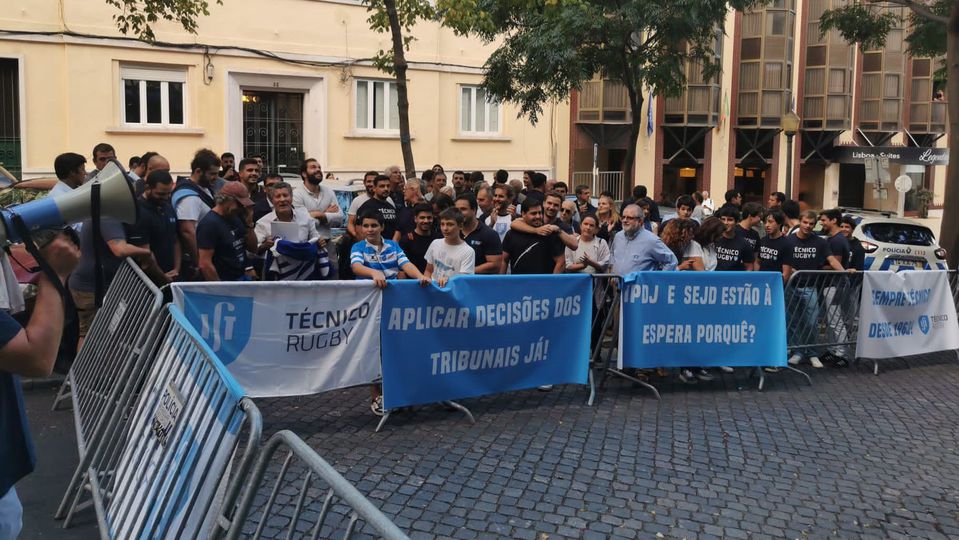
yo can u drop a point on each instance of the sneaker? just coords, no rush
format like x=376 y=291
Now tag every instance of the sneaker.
x=814 y=360
x=772 y=369
x=687 y=376
x=795 y=359
x=841 y=362
x=726 y=369
x=377 y=405
x=545 y=388
x=704 y=376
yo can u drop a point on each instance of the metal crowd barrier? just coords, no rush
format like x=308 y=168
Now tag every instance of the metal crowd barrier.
x=309 y=469
x=605 y=332
x=112 y=362
x=822 y=312
x=162 y=470
x=110 y=351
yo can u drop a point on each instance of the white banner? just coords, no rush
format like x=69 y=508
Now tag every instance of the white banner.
x=289 y=338
x=906 y=313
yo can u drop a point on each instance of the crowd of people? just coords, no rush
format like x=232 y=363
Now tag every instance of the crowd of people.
x=232 y=221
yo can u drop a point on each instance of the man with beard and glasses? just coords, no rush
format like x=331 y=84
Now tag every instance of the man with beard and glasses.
x=156 y=223
x=193 y=199
x=225 y=234
x=317 y=199
x=635 y=249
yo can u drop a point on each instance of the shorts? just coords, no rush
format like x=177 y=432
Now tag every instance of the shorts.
x=85 y=303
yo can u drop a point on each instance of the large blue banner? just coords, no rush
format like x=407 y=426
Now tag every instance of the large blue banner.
x=483 y=335
x=702 y=319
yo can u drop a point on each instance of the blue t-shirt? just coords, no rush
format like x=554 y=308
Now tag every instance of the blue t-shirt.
x=16 y=449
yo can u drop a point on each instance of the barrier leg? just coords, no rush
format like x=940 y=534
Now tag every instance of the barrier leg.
x=801 y=372
x=452 y=404
x=592 y=388
x=63 y=394
x=386 y=416
x=762 y=377
x=642 y=383
x=461 y=409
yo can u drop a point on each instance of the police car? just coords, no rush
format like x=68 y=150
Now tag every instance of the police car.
x=896 y=244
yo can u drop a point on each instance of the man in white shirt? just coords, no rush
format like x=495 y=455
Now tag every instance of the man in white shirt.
x=317 y=199
x=500 y=219
x=71 y=172
x=451 y=255
x=285 y=212
x=358 y=201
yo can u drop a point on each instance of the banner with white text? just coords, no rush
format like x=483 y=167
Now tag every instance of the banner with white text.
x=702 y=319
x=289 y=338
x=906 y=313
x=483 y=335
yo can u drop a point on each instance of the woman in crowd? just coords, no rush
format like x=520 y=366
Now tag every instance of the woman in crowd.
x=678 y=236
x=592 y=254
x=650 y=225
x=608 y=217
x=709 y=232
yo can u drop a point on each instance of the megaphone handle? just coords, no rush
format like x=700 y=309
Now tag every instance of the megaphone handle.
x=32 y=249
x=97 y=239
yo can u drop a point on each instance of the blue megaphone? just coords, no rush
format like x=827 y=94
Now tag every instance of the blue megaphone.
x=117 y=201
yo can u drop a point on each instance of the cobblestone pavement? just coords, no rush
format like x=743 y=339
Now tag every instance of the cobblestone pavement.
x=852 y=456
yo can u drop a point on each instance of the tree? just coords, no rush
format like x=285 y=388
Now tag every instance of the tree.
x=933 y=31
x=138 y=16
x=399 y=17
x=549 y=48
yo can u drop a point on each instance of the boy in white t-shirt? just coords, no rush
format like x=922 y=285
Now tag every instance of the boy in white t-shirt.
x=450 y=255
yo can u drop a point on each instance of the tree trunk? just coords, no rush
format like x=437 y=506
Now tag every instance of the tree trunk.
x=403 y=102
x=949 y=236
x=636 y=106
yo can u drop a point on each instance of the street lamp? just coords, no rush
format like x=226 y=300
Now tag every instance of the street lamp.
x=790 y=128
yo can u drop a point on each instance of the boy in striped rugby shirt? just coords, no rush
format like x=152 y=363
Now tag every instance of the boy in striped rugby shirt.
x=380 y=260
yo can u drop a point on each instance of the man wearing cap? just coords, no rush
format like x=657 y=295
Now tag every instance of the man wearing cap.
x=225 y=234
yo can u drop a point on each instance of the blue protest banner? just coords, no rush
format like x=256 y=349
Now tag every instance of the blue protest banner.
x=702 y=319
x=483 y=335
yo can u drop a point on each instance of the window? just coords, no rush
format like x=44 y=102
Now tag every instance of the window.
x=477 y=113
x=377 y=107
x=153 y=96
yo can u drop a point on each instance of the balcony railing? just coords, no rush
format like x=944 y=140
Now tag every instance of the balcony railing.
x=604 y=102
x=611 y=181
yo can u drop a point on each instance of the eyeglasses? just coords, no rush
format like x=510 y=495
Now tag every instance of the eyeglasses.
x=567 y=211
x=626 y=218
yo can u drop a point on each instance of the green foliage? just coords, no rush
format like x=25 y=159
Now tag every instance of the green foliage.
x=138 y=16
x=868 y=23
x=547 y=48
x=408 y=12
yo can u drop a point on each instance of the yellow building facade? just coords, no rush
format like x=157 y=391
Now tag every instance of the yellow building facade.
x=284 y=79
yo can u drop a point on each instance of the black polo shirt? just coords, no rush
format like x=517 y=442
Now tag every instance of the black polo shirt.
x=155 y=228
x=484 y=241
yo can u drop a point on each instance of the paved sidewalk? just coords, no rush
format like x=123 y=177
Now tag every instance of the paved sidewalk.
x=854 y=456
x=40 y=493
